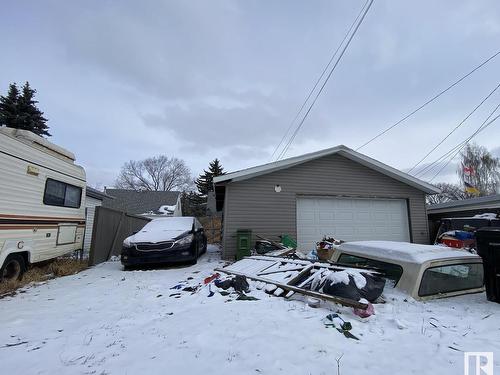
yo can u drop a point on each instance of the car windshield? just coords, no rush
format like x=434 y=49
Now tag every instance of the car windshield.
x=451 y=278
x=170 y=224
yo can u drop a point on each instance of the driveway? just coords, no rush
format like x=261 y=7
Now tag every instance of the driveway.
x=108 y=321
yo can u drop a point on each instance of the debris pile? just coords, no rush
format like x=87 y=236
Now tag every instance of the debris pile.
x=348 y=283
x=325 y=247
x=458 y=239
x=285 y=277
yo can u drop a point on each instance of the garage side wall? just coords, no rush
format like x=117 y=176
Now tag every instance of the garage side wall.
x=253 y=204
x=90 y=205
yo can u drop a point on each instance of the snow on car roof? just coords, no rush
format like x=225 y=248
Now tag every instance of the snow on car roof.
x=404 y=251
x=171 y=223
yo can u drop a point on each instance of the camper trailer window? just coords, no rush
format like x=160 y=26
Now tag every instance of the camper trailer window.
x=72 y=197
x=59 y=193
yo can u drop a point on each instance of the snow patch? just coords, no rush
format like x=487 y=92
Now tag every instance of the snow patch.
x=137 y=326
x=486 y=215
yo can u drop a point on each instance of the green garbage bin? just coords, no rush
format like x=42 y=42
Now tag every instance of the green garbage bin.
x=288 y=241
x=243 y=243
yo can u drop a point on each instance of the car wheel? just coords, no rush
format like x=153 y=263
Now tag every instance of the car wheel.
x=195 y=258
x=13 y=268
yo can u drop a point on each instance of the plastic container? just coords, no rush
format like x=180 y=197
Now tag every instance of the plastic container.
x=288 y=241
x=243 y=243
x=488 y=247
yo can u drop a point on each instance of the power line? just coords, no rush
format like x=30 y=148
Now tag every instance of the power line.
x=429 y=101
x=459 y=146
x=318 y=80
x=455 y=128
x=360 y=21
x=460 y=149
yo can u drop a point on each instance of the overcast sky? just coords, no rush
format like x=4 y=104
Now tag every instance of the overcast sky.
x=121 y=80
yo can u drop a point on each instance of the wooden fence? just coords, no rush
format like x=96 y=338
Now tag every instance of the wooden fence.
x=213 y=228
x=110 y=228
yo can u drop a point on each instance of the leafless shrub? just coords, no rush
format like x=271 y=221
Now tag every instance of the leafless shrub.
x=159 y=173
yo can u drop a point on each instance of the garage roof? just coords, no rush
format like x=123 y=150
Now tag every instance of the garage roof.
x=342 y=150
x=488 y=202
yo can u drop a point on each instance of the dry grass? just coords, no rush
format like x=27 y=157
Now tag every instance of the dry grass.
x=43 y=272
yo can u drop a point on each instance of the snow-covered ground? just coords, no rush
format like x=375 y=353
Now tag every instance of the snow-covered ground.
x=108 y=321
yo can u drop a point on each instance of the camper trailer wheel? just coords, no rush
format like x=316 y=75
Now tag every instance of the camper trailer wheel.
x=13 y=268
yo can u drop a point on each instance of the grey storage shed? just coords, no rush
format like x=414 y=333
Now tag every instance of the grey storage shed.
x=335 y=192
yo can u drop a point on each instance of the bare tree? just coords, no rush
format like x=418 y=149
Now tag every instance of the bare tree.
x=480 y=169
x=159 y=173
x=449 y=192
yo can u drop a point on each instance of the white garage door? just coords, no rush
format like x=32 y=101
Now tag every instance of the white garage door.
x=350 y=219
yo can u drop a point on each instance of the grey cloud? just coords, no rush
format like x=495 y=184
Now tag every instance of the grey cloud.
x=225 y=78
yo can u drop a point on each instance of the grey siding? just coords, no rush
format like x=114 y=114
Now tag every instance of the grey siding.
x=253 y=203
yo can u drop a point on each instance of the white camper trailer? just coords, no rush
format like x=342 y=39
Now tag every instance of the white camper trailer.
x=42 y=210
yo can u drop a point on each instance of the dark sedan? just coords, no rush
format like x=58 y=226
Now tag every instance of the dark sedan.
x=165 y=240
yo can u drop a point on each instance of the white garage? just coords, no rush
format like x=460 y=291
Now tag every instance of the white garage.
x=351 y=219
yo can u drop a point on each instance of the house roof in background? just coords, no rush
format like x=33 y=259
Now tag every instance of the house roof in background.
x=342 y=150
x=139 y=202
x=490 y=201
x=94 y=193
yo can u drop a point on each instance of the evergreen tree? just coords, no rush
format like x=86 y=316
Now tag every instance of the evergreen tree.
x=204 y=182
x=31 y=118
x=20 y=111
x=8 y=107
x=192 y=204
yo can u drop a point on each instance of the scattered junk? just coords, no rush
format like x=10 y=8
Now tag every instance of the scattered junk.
x=238 y=283
x=335 y=321
x=272 y=248
x=264 y=246
x=460 y=232
x=285 y=277
x=211 y=278
x=352 y=284
x=422 y=271
x=226 y=286
x=312 y=255
x=313 y=302
x=459 y=239
x=365 y=313
x=325 y=248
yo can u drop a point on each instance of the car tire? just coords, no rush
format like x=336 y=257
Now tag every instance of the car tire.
x=13 y=268
x=195 y=259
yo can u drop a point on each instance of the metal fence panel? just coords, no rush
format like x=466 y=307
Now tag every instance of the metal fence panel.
x=110 y=228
